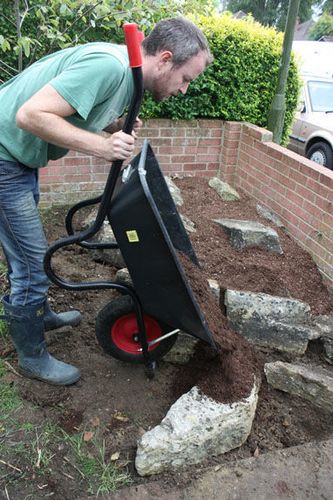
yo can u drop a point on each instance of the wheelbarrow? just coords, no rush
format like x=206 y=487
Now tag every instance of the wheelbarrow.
x=142 y=324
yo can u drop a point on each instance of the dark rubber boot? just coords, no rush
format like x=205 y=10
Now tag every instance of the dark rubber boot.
x=53 y=320
x=26 y=328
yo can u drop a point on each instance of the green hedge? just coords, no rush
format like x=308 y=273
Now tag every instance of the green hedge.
x=239 y=85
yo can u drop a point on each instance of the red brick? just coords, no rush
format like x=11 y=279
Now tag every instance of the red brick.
x=170 y=150
x=215 y=133
x=207 y=158
x=173 y=132
x=183 y=158
x=78 y=160
x=202 y=173
x=184 y=141
x=197 y=132
x=194 y=167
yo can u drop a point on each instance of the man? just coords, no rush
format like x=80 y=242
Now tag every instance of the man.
x=61 y=103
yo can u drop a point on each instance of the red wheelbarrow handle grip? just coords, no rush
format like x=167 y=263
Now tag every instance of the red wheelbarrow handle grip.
x=133 y=39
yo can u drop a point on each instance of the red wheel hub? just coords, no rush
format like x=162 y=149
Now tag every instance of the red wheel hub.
x=124 y=333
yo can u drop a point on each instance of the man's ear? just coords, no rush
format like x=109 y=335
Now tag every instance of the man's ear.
x=165 y=57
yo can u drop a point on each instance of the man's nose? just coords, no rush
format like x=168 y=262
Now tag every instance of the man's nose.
x=183 y=88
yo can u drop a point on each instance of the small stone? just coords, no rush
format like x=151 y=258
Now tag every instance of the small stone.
x=269 y=215
x=174 y=191
x=245 y=234
x=123 y=276
x=182 y=351
x=188 y=224
x=226 y=192
x=215 y=289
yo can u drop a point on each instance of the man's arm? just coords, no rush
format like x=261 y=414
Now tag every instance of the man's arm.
x=114 y=127
x=43 y=115
x=118 y=124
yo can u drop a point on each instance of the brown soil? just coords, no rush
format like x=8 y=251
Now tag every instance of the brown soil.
x=227 y=373
x=117 y=402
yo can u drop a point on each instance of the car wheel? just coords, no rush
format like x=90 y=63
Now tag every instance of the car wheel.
x=117 y=332
x=321 y=153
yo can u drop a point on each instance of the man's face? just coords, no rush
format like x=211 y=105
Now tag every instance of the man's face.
x=169 y=80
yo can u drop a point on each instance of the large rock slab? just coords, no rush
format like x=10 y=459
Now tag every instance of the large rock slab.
x=243 y=306
x=269 y=215
x=224 y=190
x=195 y=428
x=314 y=384
x=324 y=324
x=111 y=256
x=270 y=321
x=182 y=351
x=245 y=234
x=174 y=191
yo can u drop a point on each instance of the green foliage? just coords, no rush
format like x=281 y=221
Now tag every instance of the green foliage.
x=52 y=25
x=272 y=12
x=323 y=27
x=47 y=26
x=327 y=6
x=239 y=85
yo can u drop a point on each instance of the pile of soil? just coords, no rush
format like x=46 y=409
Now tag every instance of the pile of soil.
x=109 y=388
x=226 y=374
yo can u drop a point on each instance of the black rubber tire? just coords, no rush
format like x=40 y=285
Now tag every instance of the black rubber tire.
x=105 y=321
x=323 y=150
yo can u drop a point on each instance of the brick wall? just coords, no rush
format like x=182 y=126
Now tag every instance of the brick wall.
x=186 y=148
x=297 y=190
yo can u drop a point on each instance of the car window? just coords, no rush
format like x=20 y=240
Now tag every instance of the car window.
x=321 y=95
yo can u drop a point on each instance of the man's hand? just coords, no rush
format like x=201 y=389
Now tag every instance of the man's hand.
x=119 y=146
x=137 y=125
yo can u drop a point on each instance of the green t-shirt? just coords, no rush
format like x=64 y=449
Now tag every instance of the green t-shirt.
x=95 y=79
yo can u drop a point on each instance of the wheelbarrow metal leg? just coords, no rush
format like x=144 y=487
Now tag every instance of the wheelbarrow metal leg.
x=142 y=334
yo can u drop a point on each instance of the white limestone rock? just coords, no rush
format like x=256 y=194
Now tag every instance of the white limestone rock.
x=196 y=427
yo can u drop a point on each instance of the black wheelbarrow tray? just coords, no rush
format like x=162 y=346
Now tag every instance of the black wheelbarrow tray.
x=150 y=233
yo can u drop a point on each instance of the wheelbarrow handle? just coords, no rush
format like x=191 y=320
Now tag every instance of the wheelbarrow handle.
x=133 y=39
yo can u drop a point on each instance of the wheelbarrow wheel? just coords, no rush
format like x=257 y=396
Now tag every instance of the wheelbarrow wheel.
x=117 y=332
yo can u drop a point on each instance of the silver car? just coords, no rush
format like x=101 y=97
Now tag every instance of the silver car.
x=312 y=133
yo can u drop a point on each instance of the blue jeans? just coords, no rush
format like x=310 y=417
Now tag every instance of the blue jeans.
x=21 y=233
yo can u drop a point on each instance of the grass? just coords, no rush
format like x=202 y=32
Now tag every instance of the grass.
x=29 y=450
x=103 y=476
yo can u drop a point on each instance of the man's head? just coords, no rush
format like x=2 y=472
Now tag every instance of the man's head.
x=174 y=54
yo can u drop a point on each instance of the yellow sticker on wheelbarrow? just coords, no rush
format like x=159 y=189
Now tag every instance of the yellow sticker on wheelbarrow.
x=132 y=236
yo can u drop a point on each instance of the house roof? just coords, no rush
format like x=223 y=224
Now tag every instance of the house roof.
x=302 y=30
x=239 y=14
